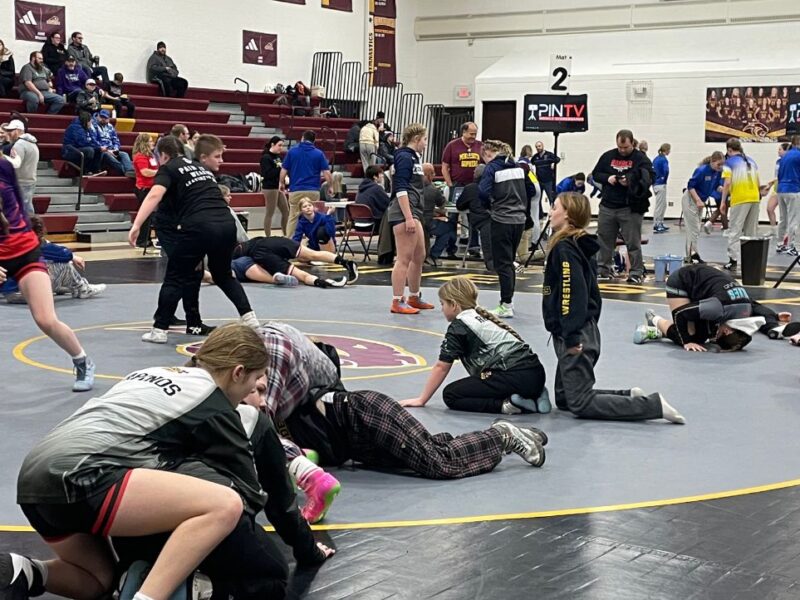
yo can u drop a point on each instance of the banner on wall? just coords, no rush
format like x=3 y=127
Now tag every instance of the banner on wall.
x=345 y=5
x=292 y=1
x=381 y=53
x=557 y=113
x=753 y=114
x=35 y=22
x=259 y=48
x=793 y=113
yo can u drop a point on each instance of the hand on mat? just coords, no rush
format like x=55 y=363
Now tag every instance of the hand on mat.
x=327 y=552
x=412 y=402
x=575 y=350
x=3 y=275
x=133 y=234
x=692 y=347
x=784 y=317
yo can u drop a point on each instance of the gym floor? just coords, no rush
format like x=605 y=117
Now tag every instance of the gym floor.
x=620 y=510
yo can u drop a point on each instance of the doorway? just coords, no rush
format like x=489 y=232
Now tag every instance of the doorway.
x=500 y=122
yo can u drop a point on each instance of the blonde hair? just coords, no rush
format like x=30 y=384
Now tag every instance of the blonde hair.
x=498 y=146
x=664 y=148
x=412 y=131
x=461 y=291
x=141 y=145
x=207 y=144
x=225 y=190
x=304 y=200
x=579 y=214
x=230 y=346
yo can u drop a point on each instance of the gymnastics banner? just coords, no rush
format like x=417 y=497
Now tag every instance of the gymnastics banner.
x=292 y=1
x=345 y=5
x=35 y=22
x=559 y=113
x=381 y=57
x=259 y=48
x=752 y=114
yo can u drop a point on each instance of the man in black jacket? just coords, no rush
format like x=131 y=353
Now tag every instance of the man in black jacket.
x=545 y=162
x=626 y=175
x=372 y=193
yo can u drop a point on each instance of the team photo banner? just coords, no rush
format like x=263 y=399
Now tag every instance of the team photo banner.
x=750 y=113
x=557 y=113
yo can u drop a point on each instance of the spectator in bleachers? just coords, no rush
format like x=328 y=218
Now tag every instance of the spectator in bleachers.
x=353 y=135
x=386 y=148
x=35 y=86
x=7 y=70
x=193 y=137
x=301 y=100
x=80 y=144
x=113 y=156
x=85 y=58
x=89 y=99
x=145 y=165
x=380 y=121
x=70 y=79
x=270 y=184
x=162 y=69
x=25 y=160
x=304 y=164
x=372 y=193
x=181 y=133
x=119 y=98
x=54 y=52
x=368 y=144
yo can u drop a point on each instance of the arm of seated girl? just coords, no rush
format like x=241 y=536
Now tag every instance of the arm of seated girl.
x=435 y=379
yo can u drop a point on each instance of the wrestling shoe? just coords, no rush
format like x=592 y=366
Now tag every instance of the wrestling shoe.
x=418 y=303
x=637 y=392
x=352 y=270
x=201 y=329
x=635 y=279
x=781 y=249
x=650 y=316
x=87 y=290
x=646 y=333
x=250 y=320
x=311 y=455
x=503 y=311
x=707 y=227
x=731 y=266
x=696 y=260
x=84 y=375
x=20 y=578
x=792 y=251
x=401 y=307
x=521 y=441
x=509 y=408
x=155 y=336
x=543 y=405
x=330 y=283
x=320 y=489
x=521 y=404
x=285 y=280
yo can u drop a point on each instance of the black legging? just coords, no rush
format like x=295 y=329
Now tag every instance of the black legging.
x=486 y=394
x=214 y=239
x=144 y=232
x=505 y=239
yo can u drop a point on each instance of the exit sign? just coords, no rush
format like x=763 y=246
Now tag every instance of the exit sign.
x=462 y=93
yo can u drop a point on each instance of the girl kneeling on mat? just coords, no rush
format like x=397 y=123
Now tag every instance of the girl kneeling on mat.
x=571 y=307
x=505 y=376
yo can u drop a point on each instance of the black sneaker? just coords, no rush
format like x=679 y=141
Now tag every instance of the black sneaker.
x=604 y=278
x=176 y=322
x=352 y=271
x=731 y=266
x=635 y=279
x=201 y=329
x=696 y=260
x=19 y=578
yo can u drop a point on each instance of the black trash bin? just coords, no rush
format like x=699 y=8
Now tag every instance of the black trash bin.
x=755 y=251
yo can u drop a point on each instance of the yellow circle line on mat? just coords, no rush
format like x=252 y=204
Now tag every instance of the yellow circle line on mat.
x=586 y=510
x=19 y=350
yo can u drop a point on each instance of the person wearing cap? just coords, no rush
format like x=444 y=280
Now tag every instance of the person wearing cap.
x=35 y=86
x=25 y=158
x=161 y=69
x=70 y=79
x=89 y=99
x=88 y=62
x=270 y=184
x=710 y=311
x=113 y=157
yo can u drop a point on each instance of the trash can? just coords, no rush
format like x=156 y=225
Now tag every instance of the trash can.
x=755 y=251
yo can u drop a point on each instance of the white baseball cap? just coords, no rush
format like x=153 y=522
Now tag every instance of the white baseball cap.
x=14 y=124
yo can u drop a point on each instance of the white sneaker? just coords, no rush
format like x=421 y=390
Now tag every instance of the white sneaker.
x=250 y=320
x=503 y=311
x=707 y=227
x=726 y=233
x=90 y=291
x=155 y=336
x=509 y=409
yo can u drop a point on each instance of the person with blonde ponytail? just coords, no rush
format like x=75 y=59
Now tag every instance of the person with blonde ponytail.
x=741 y=190
x=571 y=307
x=704 y=181
x=505 y=375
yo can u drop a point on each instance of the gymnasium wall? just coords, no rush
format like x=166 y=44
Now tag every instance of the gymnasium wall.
x=205 y=38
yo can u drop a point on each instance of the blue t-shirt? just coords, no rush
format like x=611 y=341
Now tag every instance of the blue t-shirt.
x=789 y=172
x=704 y=182
x=305 y=163
x=568 y=184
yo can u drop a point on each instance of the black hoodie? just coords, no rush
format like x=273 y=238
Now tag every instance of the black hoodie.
x=374 y=196
x=570 y=293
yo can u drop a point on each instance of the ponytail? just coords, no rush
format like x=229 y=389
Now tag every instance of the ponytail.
x=735 y=144
x=714 y=157
x=490 y=317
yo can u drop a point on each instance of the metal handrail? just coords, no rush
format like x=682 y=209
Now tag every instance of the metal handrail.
x=246 y=97
x=80 y=177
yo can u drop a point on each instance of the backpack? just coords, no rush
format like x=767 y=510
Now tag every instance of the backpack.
x=236 y=183
x=253 y=181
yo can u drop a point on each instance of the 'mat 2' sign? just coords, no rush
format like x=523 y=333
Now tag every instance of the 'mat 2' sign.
x=557 y=113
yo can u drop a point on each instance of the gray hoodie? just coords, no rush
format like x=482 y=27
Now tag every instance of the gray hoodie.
x=157 y=65
x=28 y=154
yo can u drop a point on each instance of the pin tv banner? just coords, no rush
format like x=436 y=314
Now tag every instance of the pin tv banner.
x=558 y=113
x=793 y=113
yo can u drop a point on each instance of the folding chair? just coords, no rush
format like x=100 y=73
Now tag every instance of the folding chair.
x=359 y=222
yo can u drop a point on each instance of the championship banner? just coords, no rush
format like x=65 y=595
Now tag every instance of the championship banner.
x=556 y=113
x=345 y=5
x=35 y=22
x=381 y=58
x=259 y=48
x=793 y=113
x=752 y=114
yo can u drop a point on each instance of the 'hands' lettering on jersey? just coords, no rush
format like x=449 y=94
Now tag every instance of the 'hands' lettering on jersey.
x=167 y=385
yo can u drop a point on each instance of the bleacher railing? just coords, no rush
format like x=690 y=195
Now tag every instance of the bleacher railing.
x=246 y=97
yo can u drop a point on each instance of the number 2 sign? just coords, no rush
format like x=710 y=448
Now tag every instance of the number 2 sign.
x=560 y=72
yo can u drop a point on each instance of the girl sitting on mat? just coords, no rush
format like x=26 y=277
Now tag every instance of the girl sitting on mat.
x=505 y=375
x=571 y=308
x=318 y=228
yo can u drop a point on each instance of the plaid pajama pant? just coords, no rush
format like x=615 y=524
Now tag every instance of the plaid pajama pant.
x=381 y=433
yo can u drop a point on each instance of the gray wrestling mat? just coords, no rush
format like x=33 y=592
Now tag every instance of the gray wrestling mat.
x=742 y=409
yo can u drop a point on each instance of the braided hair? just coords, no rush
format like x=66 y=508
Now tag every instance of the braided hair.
x=462 y=291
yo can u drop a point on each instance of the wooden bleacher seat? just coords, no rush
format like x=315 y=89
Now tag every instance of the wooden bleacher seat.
x=60 y=223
